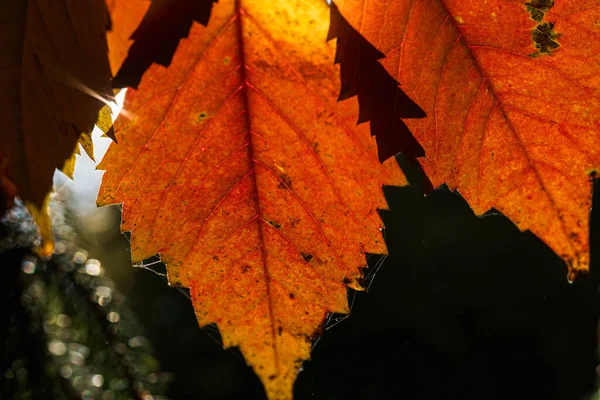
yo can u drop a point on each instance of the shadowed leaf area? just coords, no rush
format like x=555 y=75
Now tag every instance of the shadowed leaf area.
x=381 y=99
x=54 y=79
x=155 y=40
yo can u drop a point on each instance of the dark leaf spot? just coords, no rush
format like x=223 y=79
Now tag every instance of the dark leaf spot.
x=539 y=8
x=572 y=236
x=307 y=257
x=544 y=37
x=285 y=181
x=156 y=38
x=274 y=224
x=201 y=117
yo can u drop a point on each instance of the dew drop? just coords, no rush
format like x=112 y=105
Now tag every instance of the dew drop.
x=79 y=257
x=136 y=341
x=93 y=267
x=113 y=317
x=66 y=371
x=28 y=266
x=97 y=380
x=103 y=295
x=64 y=321
x=57 y=348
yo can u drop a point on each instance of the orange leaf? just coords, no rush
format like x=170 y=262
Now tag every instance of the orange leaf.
x=255 y=186
x=125 y=18
x=511 y=90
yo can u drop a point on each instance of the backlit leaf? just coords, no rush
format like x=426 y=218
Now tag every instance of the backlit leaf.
x=53 y=74
x=255 y=186
x=125 y=17
x=512 y=94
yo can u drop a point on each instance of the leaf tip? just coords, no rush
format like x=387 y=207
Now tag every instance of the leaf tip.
x=42 y=219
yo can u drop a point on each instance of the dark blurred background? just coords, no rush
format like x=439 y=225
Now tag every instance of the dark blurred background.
x=463 y=307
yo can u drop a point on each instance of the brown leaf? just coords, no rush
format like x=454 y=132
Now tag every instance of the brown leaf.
x=53 y=73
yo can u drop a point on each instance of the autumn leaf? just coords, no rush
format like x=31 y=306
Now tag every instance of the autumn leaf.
x=511 y=90
x=255 y=186
x=125 y=17
x=53 y=74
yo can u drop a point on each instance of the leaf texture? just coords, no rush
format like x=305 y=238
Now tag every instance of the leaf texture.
x=511 y=90
x=53 y=68
x=255 y=186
